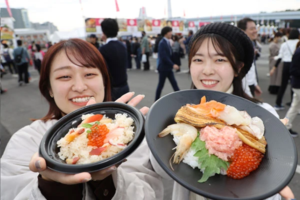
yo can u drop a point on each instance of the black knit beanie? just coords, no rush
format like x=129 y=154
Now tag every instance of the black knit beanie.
x=236 y=37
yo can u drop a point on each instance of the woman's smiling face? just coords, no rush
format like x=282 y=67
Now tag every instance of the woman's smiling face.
x=211 y=70
x=72 y=85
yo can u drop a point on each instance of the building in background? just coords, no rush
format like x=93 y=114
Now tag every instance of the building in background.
x=44 y=26
x=20 y=15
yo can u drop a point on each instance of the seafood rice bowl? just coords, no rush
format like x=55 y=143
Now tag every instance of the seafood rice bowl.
x=96 y=138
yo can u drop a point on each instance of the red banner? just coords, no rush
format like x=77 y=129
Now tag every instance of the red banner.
x=155 y=23
x=191 y=24
x=175 y=23
x=203 y=23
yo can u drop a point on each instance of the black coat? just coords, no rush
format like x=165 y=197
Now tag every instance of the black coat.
x=295 y=69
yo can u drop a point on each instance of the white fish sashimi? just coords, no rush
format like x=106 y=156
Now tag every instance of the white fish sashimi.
x=232 y=116
x=256 y=128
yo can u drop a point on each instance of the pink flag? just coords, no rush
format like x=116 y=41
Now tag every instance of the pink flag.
x=117 y=6
x=184 y=13
x=8 y=8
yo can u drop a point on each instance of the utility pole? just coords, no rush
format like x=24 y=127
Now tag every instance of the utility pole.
x=169 y=9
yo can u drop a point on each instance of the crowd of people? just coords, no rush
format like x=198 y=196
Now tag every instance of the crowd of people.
x=221 y=57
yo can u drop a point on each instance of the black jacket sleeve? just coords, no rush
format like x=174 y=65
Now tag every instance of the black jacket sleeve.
x=295 y=65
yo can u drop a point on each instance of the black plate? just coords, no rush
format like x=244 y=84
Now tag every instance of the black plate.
x=275 y=171
x=49 y=150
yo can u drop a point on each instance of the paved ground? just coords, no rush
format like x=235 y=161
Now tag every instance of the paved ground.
x=20 y=104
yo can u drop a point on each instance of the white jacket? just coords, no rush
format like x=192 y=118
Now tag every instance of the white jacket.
x=174 y=191
x=134 y=179
x=287 y=50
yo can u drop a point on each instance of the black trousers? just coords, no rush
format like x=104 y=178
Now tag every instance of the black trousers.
x=284 y=82
x=117 y=92
x=23 y=69
x=9 y=64
x=161 y=82
x=252 y=89
x=147 y=64
x=38 y=64
x=129 y=62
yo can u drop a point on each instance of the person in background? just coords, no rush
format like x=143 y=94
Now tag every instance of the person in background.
x=155 y=49
x=2 y=71
x=295 y=83
x=285 y=55
x=166 y=65
x=249 y=27
x=94 y=40
x=176 y=52
x=187 y=41
x=49 y=44
x=7 y=54
x=21 y=60
x=145 y=50
x=115 y=56
x=38 y=56
x=275 y=79
x=135 y=52
x=128 y=47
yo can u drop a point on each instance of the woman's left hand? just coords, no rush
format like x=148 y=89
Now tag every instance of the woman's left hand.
x=100 y=175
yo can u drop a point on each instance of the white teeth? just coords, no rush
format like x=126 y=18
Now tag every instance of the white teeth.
x=209 y=82
x=84 y=99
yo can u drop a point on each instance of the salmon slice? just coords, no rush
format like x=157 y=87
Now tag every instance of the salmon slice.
x=93 y=118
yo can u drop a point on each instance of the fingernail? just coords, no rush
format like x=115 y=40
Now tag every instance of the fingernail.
x=37 y=165
x=143 y=95
x=86 y=180
x=132 y=92
x=124 y=160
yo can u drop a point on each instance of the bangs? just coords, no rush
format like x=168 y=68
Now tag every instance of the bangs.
x=82 y=56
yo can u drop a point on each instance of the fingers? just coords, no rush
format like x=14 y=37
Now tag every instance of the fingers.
x=100 y=175
x=287 y=193
x=125 y=98
x=136 y=100
x=144 y=110
x=91 y=101
x=37 y=164
x=284 y=121
x=67 y=179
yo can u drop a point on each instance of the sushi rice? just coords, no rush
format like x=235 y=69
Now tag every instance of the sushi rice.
x=79 y=146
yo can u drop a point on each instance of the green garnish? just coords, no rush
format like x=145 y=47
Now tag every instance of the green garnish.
x=97 y=122
x=88 y=131
x=210 y=164
x=86 y=125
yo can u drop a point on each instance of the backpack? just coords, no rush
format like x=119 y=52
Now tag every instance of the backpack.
x=18 y=58
x=6 y=56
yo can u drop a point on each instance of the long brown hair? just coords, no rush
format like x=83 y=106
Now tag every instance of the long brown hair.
x=86 y=55
x=224 y=47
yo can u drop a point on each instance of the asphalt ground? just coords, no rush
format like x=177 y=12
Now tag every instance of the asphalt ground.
x=21 y=104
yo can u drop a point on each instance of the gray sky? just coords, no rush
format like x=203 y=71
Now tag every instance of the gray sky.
x=67 y=15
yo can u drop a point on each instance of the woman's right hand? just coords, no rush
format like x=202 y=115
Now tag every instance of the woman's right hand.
x=272 y=71
x=38 y=164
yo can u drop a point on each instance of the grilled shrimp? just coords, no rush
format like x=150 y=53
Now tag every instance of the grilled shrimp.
x=184 y=135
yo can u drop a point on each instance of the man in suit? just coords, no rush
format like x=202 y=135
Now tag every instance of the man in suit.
x=115 y=55
x=166 y=65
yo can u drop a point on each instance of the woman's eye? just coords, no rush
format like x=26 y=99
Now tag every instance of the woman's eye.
x=197 y=60
x=64 y=77
x=221 y=60
x=90 y=75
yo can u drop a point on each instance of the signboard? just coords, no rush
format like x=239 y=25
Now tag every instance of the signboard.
x=191 y=26
x=175 y=26
x=148 y=25
x=122 y=23
x=132 y=25
x=93 y=25
x=7 y=29
x=156 y=25
x=203 y=24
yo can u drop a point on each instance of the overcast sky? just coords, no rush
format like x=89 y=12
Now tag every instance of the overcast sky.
x=67 y=14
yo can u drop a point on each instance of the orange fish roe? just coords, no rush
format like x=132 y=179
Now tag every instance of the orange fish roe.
x=97 y=135
x=245 y=160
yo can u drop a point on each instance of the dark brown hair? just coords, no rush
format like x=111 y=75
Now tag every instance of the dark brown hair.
x=225 y=48
x=242 y=24
x=86 y=55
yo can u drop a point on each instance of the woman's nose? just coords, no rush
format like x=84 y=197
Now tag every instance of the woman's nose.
x=79 y=85
x=208 y=68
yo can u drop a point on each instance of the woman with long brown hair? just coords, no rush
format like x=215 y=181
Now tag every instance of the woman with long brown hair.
x=73 y=75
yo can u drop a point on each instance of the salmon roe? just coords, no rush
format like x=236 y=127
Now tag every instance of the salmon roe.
x=97 y=135
x=245 y=160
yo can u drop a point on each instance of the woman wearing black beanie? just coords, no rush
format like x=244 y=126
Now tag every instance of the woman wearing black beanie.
x=220 y=57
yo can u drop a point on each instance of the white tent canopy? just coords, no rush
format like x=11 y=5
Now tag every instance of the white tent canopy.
x=64 y=35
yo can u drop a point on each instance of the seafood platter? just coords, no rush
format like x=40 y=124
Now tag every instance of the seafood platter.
x=220 y=146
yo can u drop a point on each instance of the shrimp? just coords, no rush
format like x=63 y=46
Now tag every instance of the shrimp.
x=184 y=135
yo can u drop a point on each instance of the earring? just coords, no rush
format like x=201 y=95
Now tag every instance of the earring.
x=51 y=95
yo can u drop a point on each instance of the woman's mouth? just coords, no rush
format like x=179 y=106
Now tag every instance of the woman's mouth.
x=209 y=83
x=80 y=100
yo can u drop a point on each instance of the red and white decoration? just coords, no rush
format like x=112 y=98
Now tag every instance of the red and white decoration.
x=175 y=26
x=132 y=25
x=156 y=25
x=191 y=26
x=203 y=24
x=98 y=25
